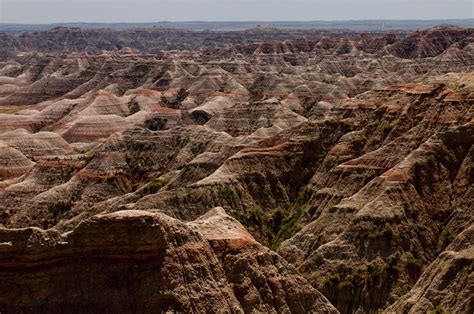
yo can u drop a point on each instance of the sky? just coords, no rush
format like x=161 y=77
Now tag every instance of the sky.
x=111 y=11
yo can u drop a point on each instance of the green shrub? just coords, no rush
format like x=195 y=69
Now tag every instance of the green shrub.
x=332 y=279
x=330 y=162
x=152 y=187
x=446 y=237
x=411 y=261
x=438 y=310
x=173 y=155
x=253 y=217
x=303 y=196
x=432 y=159
x=355 y=278
x=288 y=228
x=386 y=234
x=344 y=281
x=393 y=265
x=385 y=128
x=227 y=194
x=374 y=270
x=344 y=284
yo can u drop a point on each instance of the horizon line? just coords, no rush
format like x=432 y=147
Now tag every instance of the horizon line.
x=242 y=21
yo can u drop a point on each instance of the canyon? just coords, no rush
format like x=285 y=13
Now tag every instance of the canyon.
x=265 y=170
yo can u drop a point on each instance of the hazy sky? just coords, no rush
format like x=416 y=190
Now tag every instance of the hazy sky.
x=51 y=11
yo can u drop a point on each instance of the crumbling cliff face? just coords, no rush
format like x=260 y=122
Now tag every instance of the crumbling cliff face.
x=323 y=175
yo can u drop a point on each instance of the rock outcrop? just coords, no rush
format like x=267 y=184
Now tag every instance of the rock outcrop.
x=446 y=284
x=134 y=261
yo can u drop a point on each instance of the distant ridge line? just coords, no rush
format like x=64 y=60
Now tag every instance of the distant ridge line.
x=355 y=25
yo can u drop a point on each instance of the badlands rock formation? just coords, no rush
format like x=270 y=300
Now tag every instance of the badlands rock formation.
x=259 y=171
x=148 y=262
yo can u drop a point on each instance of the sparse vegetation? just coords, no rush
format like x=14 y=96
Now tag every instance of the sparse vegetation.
x=173 y=155
x=330 y=162
x=344 y=281
x=431 y=159
x=344 y=152
x=152 y=187
x=376 y=275
x=386 y=233
x=386 y=128
x=332 y=279
x=227 y=194
x=416 y=262
x=253 y=217
x=289 y=227
x=438 y=310
x=374 y=270
x=413 y=265
x=303 y=196
x=446 y=237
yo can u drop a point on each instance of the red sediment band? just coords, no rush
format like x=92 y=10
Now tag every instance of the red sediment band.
x=58 y=164
x=95 y=174
x=276 y=148
x=453 y=96
x=413 y=87
x=146 y=92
